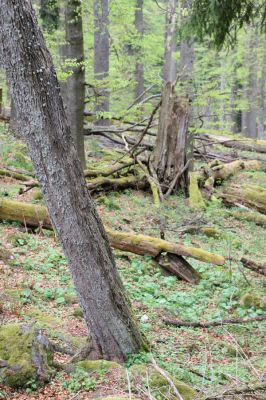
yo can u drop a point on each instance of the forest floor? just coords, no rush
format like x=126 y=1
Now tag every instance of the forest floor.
x=36 y=288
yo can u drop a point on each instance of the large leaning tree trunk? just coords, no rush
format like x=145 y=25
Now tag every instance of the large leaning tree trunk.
x=73 y=88
x=36 y=93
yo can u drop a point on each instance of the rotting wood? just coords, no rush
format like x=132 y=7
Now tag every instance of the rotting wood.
x=260 y=387
x=259 y=267
x=179 y=267
x=241 y=144
x=36 y=216
x=250 y=216
x=125 y=182
x=205 y=324
x=15 y=175
x=252 y=196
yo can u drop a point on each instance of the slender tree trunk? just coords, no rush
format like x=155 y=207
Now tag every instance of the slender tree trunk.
x=169 y=68
x=36 y=93
x=261 y=100
x=139 y=67
x=249 y=116
x=73 y=88
x=101 y=56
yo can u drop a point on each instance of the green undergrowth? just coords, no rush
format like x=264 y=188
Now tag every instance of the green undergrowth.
x=38 y=286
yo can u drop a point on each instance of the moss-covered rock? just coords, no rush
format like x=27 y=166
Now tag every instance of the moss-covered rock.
x=25 y=356
x=158 y=385
x=251 y=299
x=97 y=365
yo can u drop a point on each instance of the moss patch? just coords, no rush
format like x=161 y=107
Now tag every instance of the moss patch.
x=97 y=365
x=159 y=385
x=255 y=300
x=25 y=358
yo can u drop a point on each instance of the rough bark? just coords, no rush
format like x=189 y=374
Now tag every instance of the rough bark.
x=36 y=216
x=139 y=67
x=101 y=56
x=259 y=267
x=171 y=140
x=73 y=88
x=249 y=116
x=169 y=67
x=35 y=90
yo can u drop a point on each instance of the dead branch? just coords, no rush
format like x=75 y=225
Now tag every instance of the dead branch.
x=260 y=268
x=232 y=321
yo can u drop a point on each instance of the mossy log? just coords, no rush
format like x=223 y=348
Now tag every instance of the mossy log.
x=36 y=216
x=15 y=175
x=251 y=196
x=125 y=182
x=108 y=170
x=251 y=216
x=258 y=146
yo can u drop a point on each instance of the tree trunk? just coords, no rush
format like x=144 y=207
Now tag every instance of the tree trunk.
x=262 y=102
x=35 y=90
x=33 y=215
x=139 y=67
x=101 y=56
x=13 y=122
x=249 y=116
x=73 y=88
x=169 y=67
x=171 y=140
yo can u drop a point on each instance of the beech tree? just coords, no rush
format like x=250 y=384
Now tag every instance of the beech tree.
x=36 y=94
x=73 y=88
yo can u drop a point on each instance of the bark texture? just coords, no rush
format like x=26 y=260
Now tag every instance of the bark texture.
x=73 y=89
x=171 y=140
x=101 y=55
x=169 y=67
x=139 y=67
x=35 y=88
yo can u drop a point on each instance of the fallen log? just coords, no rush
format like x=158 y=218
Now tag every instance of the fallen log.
x=35 y=216
x=244 y=390
x=251 y=216
x=15 y=175
x=241 y=144
x=251 y=196
x=231 y=321
x=178 y=266
x=125 y=182
x=260 y=268
x=110 y=170
x=215 y=173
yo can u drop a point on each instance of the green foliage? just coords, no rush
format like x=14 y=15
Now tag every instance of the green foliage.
x=79 y=380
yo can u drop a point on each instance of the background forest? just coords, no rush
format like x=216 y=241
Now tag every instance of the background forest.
x=169 y=127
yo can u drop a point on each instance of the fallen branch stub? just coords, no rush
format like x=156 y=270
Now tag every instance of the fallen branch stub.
x=36 y=216
x=260 y=268
x=179 y=267
x=232 y=321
